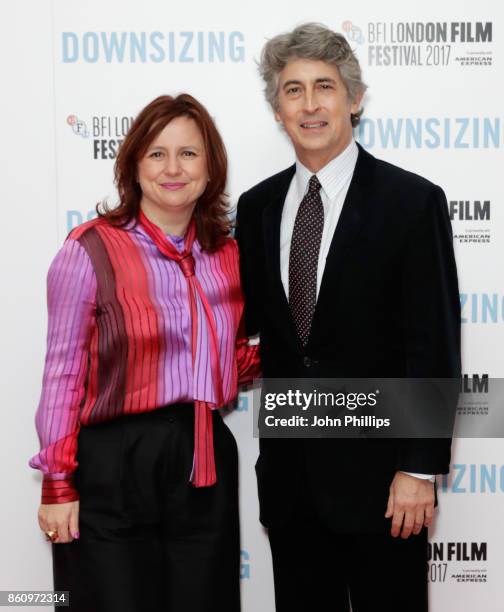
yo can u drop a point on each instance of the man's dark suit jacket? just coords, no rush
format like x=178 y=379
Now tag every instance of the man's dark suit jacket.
x=388 y=307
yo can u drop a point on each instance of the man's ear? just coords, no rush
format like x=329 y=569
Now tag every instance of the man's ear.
x=356 y=104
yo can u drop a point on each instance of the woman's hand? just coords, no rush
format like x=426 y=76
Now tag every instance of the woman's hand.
x=62 y=519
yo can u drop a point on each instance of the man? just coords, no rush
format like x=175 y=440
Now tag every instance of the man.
x=348 y=271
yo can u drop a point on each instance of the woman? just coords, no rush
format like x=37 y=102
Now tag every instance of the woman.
x=146 y=339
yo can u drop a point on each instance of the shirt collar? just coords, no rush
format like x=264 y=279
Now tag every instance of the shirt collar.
x=333 y=175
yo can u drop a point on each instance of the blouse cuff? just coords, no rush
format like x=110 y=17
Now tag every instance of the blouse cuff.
x=249 y=364
x=58 y=491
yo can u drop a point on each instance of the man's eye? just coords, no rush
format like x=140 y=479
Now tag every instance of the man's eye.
x=293 y=90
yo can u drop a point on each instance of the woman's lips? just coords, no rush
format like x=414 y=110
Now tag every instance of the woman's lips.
x=172 y=186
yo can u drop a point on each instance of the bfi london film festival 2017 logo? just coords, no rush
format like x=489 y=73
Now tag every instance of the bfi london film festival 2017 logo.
x=78 y=127
x=103 y=136
x=471 y=221
x=424 y=43
x=106 y=133
x=474 y=395
x=457 y=562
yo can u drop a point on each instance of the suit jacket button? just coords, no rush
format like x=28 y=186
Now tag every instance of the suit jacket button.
x=307 y=361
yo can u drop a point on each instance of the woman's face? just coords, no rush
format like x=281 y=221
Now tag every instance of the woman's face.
x=173 y=171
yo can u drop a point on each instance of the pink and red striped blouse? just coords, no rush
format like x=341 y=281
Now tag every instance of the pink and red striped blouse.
x=119 y=338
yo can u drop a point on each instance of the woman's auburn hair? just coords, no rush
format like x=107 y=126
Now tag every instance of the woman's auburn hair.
x=212 y=221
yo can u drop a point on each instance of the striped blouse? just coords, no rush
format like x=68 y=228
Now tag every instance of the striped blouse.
x=119 y=338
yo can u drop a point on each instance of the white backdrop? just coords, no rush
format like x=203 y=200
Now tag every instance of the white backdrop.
x=73 y=75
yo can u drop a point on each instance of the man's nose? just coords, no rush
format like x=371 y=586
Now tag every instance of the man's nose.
x=311 y=102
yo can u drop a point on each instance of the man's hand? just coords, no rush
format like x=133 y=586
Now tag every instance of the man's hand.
x=410 y=504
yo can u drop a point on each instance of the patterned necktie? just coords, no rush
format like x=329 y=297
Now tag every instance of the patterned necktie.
x=303 y=259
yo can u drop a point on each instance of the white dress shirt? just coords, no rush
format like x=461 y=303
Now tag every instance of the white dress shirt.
x=335 y=178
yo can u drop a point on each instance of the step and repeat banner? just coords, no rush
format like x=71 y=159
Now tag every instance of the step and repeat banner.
x=434 y=106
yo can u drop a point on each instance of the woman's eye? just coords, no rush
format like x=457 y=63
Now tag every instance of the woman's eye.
x=189 y=154
x=156 y=154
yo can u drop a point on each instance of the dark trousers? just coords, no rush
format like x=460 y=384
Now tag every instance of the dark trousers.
x=316 y=569
x=149 y=540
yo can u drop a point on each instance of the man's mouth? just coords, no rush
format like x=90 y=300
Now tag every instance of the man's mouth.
x=312 y=125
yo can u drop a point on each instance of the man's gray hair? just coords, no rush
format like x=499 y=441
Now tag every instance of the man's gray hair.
x=312 y=41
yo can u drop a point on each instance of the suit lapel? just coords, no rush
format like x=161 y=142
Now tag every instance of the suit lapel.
x=352 y=217
x=272 y=217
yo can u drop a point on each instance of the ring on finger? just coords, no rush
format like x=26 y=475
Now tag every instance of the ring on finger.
x=51 y=535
